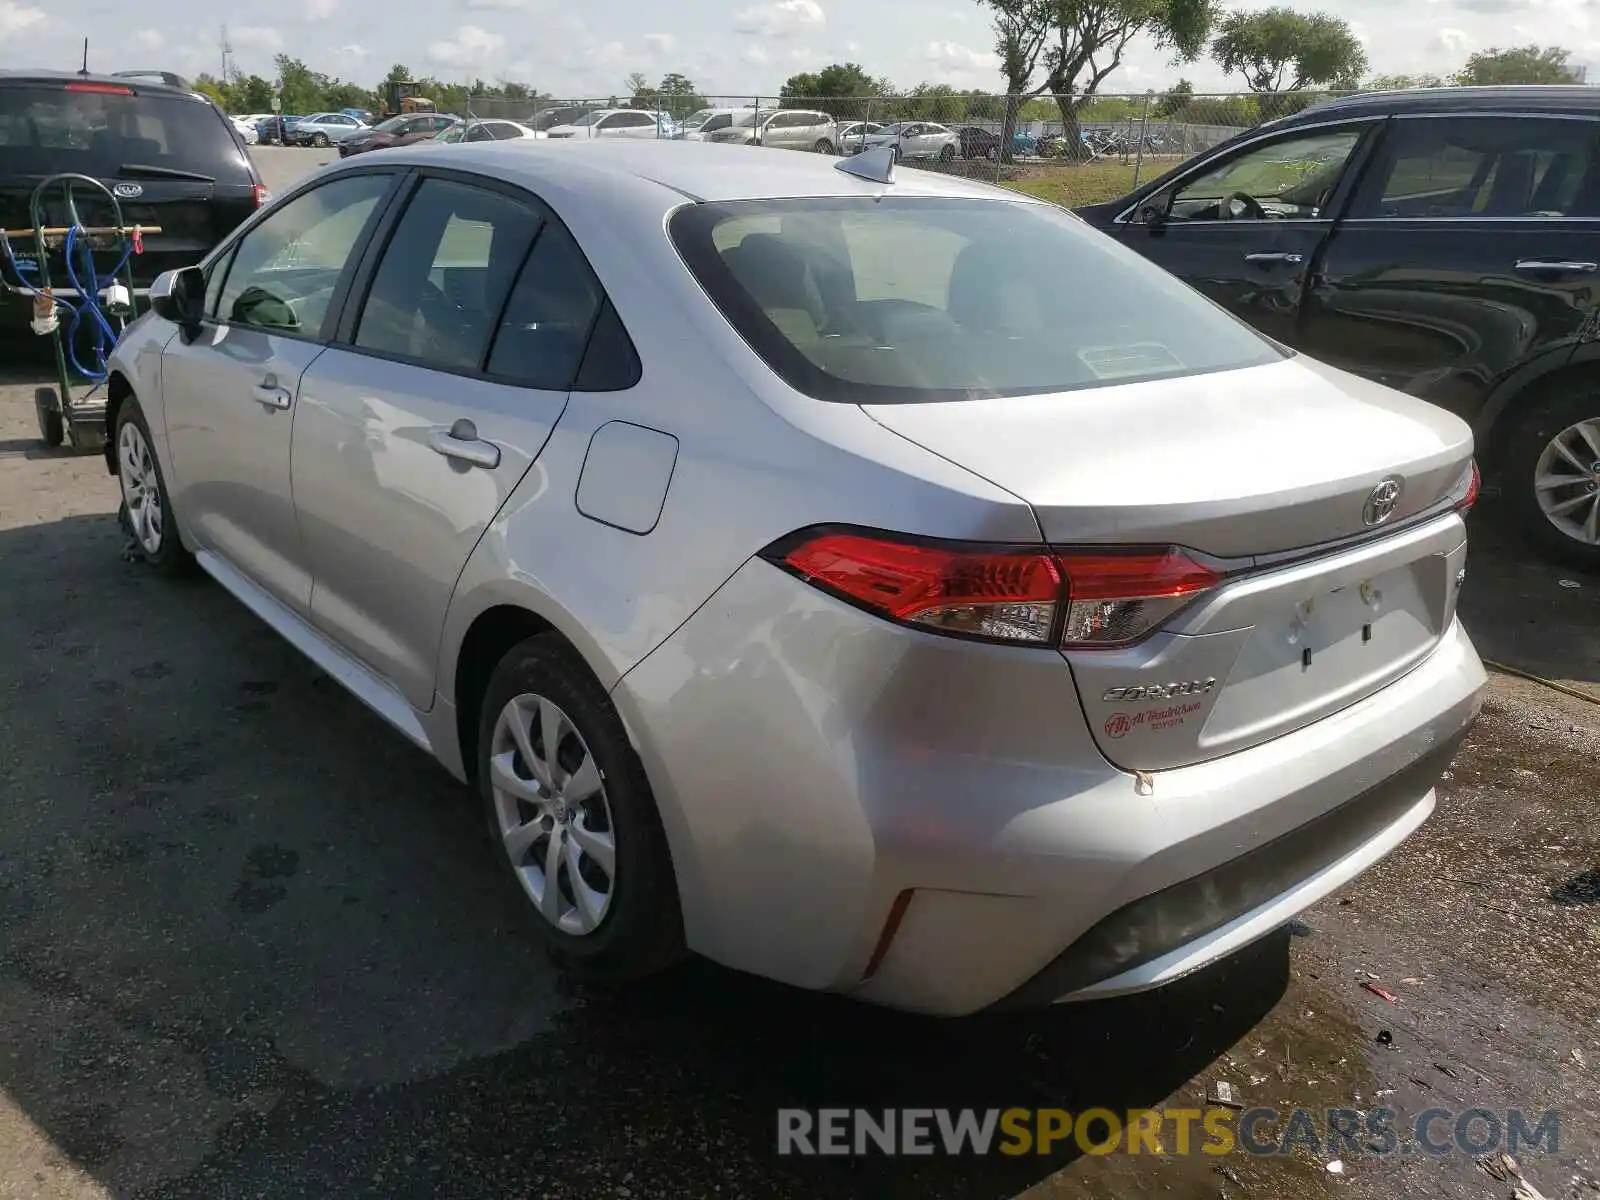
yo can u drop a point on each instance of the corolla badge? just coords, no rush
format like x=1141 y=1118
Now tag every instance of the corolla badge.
x=127 y=191
x=1381 y=504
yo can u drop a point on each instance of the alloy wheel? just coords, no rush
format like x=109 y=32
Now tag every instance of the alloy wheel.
x=552 y=814
x=1566 y=481
x=141 y=488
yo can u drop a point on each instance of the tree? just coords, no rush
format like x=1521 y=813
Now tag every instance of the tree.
x=300 y=88
x=843 y=90
x=638 y=85
x=1172 y=105
x=679 y=96
x=253 y=94
x=1081 y=42
x=1520 y=64
x=1279 y=49
x=1400 y=83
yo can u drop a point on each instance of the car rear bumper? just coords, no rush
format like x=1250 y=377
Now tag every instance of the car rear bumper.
x=926 y=823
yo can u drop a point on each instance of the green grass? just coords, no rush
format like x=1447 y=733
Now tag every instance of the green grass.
x=1084 y=183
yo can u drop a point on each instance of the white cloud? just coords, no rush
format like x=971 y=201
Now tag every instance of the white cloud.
x=149 y=39
x=470 y=47
x=852 y=47
x=660 y=43
x=504 y=4
x=780 y=18
x=353 y=51
x=320 y=10
x=755 y=56
x=1454 y=41
x=14 y=18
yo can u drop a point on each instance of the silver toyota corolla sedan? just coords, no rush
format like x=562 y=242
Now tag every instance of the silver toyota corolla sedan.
x=879 y=582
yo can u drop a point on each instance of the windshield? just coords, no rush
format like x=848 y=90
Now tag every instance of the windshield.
x=696 y=119
x=895 y=300
x=590 y=118
x=45 y=130
x=747 y=118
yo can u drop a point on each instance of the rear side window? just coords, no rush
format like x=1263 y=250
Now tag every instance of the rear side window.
x=549 y=317
x=881 y=301
x=445 y=275
x=1486 y=167
x=45 y=130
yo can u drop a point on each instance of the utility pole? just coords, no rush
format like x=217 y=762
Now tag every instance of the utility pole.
x=230 y=71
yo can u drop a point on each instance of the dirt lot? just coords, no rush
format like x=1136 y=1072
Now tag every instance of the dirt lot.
x=248 y=945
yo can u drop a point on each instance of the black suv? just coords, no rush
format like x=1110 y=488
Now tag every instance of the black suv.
x=1445 y=242
x=171 y=157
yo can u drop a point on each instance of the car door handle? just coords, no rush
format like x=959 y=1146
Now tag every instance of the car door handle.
x=462 y=443
x=271 y=395
x=1558 y=266
x=1277 y=256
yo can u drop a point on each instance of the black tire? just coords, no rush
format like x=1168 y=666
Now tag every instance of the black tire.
x=169 y=557
x=320 y=141
x=947 y=153
x=641 y=932
x=52 y=431
x=824 y=146
x=1528 y=439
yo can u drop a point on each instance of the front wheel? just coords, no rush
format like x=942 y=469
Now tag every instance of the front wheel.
x=571 y=816
x=947 y=153
x=1552 y=477
x=146 y=510
x=52 y=430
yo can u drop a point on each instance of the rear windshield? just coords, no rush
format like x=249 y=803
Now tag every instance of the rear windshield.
x=912 y=299
x=46 y=130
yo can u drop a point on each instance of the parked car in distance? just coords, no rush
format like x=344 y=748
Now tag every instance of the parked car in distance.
x=247 y=129
x=276 y=129
x=617 y=123
x=1444 y=242
x=169 y=154
x=699 y=126
x=1088 y=736
x=489 y=130
x=403 y=130
x=563 y=114
x=853 y=137
x=361 y=114
x=782 y=129
x=324 y=129
x=910 y=140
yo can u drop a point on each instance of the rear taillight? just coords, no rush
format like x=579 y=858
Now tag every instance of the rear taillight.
x=1470 y=496
x=999 y=594
x=262 y=195
x=103 y=89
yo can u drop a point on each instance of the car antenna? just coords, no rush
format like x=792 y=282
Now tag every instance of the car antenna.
x=84 y=70
x=876 y=166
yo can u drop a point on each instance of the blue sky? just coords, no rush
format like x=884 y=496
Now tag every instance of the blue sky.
x=746 y=46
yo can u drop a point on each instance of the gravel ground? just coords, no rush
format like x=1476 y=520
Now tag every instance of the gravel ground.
x=249 y=946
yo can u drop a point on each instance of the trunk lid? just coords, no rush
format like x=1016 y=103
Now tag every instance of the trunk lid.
x=1270 y=474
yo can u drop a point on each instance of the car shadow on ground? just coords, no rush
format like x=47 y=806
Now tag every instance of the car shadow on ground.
x=252 y=945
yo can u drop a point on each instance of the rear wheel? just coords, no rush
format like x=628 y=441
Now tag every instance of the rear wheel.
x=320 y=141
x=947 y=153
x=824 y=146
x=571 y=817
x=1552 y=477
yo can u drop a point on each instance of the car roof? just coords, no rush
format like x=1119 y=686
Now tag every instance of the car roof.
x=139 y=86
x=1521 y=98
x=701 y=171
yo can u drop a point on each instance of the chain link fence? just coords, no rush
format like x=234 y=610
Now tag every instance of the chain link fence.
x=1068 y=149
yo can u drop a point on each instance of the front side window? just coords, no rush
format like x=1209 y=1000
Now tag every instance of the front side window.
x=445 y=274
x=1486 y=167
x=287 y=268
x=1292 y=177
x=916 y=299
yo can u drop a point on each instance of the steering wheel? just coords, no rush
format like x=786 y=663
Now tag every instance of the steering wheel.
x=1243 y=206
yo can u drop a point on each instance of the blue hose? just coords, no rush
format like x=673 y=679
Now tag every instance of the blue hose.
x=103 y=335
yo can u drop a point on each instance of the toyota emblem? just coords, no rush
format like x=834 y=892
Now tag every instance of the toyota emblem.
x=1381 y=504
x=128 y=191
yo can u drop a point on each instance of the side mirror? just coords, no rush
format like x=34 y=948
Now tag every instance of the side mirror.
x=180 y=297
